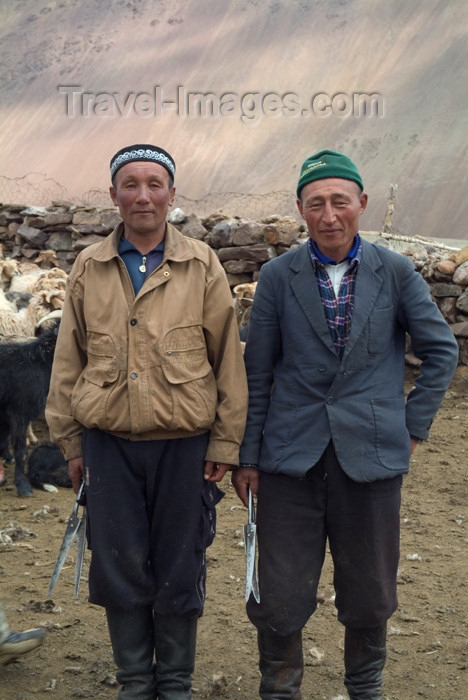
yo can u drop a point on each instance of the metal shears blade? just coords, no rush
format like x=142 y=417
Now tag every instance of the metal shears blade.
x=76 y=526
x=250 y=539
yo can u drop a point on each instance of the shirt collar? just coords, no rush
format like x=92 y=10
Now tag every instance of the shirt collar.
x=353 y=255
x=176 y=246
x=124 y=246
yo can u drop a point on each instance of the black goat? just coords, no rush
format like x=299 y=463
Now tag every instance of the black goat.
x=47 y=468
x=25 y=369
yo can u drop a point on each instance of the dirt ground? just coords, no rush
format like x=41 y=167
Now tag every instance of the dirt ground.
x=428 y=635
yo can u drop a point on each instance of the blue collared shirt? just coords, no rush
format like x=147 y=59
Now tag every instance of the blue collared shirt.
x=328 y=261
x=135 y=261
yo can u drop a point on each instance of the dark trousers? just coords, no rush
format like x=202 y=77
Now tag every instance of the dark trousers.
x=151 y=516
x=294 y=519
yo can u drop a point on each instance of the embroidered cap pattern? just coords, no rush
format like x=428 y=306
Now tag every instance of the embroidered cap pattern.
x=142 y=154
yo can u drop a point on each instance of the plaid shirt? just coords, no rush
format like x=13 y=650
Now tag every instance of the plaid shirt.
x=338 y=310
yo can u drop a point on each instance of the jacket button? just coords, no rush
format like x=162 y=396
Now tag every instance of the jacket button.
x=133 y=375
x=322 y=368
x=133 y=322
x=330 y=400
x=166 y=273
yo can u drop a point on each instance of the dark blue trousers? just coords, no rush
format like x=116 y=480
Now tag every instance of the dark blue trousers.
x=296 y=517
x=151 y=516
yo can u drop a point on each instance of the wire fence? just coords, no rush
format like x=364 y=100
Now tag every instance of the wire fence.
x=36 y=189
x=32 y=189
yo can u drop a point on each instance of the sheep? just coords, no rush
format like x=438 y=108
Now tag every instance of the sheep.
x=48 y=296
x=243 y=300
x=8 y=268
x=25 y=369
x=5 y=304
x=17 y=323
x=19 y=300
x=29 y=277
x=24 y=277
x=23 y=274
x=47 y=468
x=50 y=287
x=47 y=258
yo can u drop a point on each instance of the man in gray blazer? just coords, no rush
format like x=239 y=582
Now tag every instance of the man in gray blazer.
x=329 y=432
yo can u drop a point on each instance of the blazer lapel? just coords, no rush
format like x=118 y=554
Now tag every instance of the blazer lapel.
x=305 y=289
x=367 y=289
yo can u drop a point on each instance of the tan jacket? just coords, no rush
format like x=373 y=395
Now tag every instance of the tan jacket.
x=164 y=364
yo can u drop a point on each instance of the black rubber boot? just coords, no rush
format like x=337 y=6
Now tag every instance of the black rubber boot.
x=131 y=635
x=364 y=656
x=281 y=665
x=175 y=643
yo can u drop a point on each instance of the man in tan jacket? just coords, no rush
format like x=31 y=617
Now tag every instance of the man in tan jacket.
x=148 y=403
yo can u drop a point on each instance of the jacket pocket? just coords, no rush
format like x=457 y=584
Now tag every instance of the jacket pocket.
x=381 y=330
x=102 y=368
x=194 y=396
x=280 y=423
x=183 y=345
x=187 y=368
x=190 y=378
x=392 y=440
x=211 y=496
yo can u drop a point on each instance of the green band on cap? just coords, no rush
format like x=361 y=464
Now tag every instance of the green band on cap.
x=325 y=164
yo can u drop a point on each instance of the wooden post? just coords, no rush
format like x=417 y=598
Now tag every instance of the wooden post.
x=387 y=226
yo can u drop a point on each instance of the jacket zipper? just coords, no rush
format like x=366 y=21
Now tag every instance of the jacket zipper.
x=178 y=352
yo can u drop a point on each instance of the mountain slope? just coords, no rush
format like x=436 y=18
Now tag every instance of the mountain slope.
x=262 y=63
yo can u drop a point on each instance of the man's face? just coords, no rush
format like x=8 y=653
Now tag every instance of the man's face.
x=142 y=193
x=331 y=209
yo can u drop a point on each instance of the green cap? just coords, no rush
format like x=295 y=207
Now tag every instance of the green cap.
x=327 y=164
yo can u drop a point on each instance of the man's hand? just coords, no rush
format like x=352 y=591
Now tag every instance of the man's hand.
x=414 y=444
x=242 y=478
x=75 y=472
x=214 y=471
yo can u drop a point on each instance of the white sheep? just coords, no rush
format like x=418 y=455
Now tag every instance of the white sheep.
x=48 y=293
x=8 y=268
x=25 y=277
x=26 y=321
x=5 y=305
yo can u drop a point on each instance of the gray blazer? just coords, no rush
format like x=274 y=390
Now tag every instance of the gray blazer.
x=302 y=395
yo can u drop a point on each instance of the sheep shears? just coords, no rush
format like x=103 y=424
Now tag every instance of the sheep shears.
x=250 y=536
x=76 y=526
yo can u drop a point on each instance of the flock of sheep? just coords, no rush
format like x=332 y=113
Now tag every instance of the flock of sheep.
x=29 y=293
x=31 y=299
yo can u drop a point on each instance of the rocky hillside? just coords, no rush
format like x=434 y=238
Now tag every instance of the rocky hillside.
x=240 y=92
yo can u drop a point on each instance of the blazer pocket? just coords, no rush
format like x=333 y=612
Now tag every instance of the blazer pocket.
x=392 y=440
x=277 y=434
x=381 y=329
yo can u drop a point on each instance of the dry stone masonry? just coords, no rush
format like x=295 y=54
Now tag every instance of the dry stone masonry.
x=53 y=236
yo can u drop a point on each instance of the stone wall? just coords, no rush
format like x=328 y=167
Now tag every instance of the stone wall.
x=63 y=229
